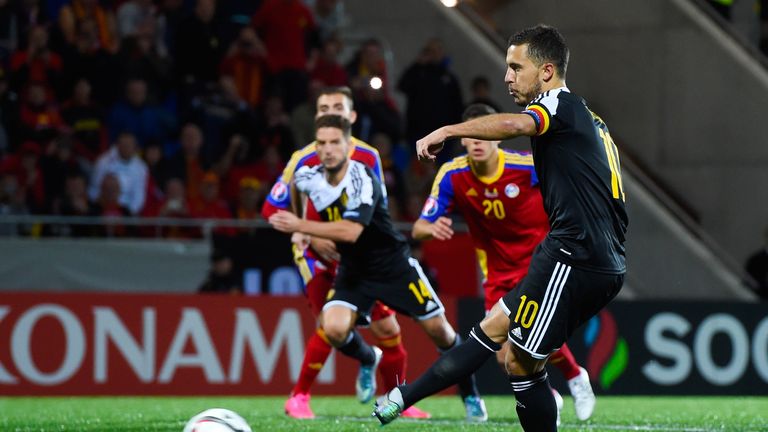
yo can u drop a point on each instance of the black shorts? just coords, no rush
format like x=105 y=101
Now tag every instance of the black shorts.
x=552 y=301
x=407 y=291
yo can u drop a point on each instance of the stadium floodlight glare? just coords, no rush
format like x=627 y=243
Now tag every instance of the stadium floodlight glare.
x=449 y=3
x=376 y=83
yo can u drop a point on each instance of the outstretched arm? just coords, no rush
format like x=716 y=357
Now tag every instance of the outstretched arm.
x=341 y=230
x=491 y=127
x=440 y=229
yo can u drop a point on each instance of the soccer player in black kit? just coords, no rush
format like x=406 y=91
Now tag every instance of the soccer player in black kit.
x=376 y=262
x=577 y=269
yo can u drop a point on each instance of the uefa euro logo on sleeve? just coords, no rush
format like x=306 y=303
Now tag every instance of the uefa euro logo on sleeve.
x=430 y=207
x=279 y=191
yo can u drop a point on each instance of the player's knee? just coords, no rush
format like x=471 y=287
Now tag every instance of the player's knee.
x=441 y=333
x=336 y=333
x=385 y=327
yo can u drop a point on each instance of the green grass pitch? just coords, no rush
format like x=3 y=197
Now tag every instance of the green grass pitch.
x=339 y=414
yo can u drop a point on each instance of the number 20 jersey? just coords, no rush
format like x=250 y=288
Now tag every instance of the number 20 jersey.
x=504 y=212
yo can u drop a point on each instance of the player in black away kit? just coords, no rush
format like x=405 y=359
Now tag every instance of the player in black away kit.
x=577 y=269
x=375 y=262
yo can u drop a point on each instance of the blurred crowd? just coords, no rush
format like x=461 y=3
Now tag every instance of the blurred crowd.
x=191 y=108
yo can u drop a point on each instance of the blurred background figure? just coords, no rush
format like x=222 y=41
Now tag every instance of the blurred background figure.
x=757 y=267
x=221 y=277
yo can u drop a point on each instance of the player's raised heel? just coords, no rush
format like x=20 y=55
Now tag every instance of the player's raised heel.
x=558 y=404
x=389 y=407
x=365 y=386
x=583 y=396
x=475 y=408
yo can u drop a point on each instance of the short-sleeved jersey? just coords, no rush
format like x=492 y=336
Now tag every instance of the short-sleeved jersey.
x=578 y=168
x=504 y=212
x=380 y=251
x=280 y=197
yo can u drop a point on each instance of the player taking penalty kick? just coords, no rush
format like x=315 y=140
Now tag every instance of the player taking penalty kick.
x=496 y=191
x=375 y=261
x=580 y=265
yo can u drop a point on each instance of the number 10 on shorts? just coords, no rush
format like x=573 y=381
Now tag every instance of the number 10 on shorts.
x=526 y=312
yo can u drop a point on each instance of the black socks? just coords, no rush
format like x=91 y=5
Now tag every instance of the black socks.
x=357 y=348
x=536 y=407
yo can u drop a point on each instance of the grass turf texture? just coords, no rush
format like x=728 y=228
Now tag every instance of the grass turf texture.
x=339 y=414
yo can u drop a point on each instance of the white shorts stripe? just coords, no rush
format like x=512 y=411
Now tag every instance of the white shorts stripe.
x=503 y=306
x=553 y=295
x=543 y=307
x=472 y=334
x=341 y=303
x=554 y=306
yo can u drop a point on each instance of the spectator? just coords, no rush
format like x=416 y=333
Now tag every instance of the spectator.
x=187 y=163
x=757 y=267
x=209 y=204
x=303 y=116
x=28 y=15
x=9 y=36
x=237 y=163
x=376 y=114
x=249 y=202
x=481 y=93
x=286 y=26
x=140 y=57
x=58 y=163
x=246 y=64
x=141 y=18
x=199 y=47
x=171 y=12
x=73 y=14
x=123 y=162
x=25 y=167
x=40 y=117
x=153 y=157
x=220 y=113
x=368 y=63
x=221 y=278
x=12 y=203
x=85 y=119
x=146 y=121
x=74 y=202
x=36 y=63
x=276 y=130
x=330 y=18
x=173 y=205
x=393 y=178
x=9 y=114
x=108 y=204
x=433 y=94
x=326 y=68
x=87 y=59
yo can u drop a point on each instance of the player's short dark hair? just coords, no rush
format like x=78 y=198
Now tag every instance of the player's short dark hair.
x=334 y=121
x=477 y=110
x=343 y=90
x=545 y=44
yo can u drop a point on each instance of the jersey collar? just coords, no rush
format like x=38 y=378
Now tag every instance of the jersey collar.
x=495 y=176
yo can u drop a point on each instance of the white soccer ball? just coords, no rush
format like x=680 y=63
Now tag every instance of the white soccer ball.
x=217 y=420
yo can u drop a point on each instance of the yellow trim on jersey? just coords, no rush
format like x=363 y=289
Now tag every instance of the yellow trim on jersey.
x=302 y=264
x=482 y=261
x=499 y=169
x=518 y=159
x=543 y=115
x=296 y=157
x=456 y=163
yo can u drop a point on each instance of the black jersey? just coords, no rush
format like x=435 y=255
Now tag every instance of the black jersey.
x=578 y=168
x=380 y=250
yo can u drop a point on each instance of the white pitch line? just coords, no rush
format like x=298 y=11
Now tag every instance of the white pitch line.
x=580 y=426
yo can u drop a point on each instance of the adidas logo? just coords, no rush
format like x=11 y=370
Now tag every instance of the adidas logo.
x=520 y=405
x=516 y=332
x=431 y=305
